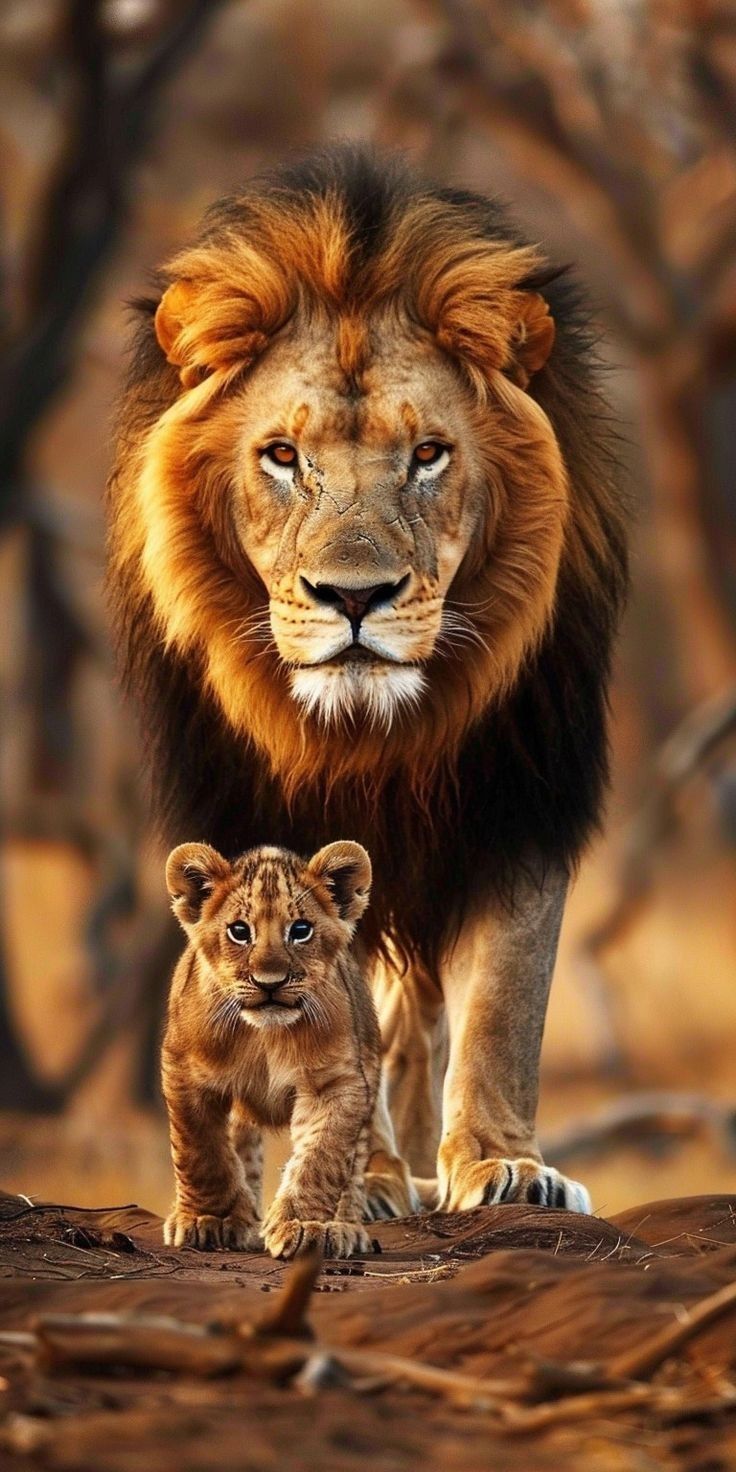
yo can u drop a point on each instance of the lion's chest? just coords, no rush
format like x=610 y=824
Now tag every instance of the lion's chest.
x=267 y=1085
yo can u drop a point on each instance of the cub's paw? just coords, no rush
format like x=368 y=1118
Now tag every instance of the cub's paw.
x=490 y=1182
x=238 y=1231
x=389 y=1188
x=290 y=1236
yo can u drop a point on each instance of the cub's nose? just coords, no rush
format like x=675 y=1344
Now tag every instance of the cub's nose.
x=355 y=603
x=266 y=981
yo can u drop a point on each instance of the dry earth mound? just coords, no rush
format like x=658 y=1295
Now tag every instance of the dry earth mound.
x=506 y=1338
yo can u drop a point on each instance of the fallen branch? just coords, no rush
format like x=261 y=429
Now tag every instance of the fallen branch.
x=143 y=1343
x=288 y=1317
x=367 y=1371
x=643 y=1359
x=583 y=1407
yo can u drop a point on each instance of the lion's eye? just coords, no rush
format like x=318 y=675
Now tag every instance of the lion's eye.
x=430 y=455
x=280 y=453
x=300 y=930
x=239 y=933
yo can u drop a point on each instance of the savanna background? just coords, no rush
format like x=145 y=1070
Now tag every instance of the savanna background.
x=609 y=126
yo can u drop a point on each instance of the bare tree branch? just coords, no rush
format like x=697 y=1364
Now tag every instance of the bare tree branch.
x=83 y=211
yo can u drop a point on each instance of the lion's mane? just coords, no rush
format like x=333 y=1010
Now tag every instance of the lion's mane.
x=507 y=766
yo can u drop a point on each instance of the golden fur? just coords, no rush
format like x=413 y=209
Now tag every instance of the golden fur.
x=268 y=1031
x=209 y=566
x=348 y=313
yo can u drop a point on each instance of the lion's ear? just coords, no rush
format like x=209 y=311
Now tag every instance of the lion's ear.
x=532 y=339
x=173 y=318
x=345 y=869
x=192 y=871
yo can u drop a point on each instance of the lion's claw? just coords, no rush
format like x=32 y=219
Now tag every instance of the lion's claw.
x=389 y=1188
x=490 y=1182
x=289 y=1236
x=238 y=1231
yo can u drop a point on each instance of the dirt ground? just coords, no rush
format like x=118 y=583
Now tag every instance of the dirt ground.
x=507 y=1338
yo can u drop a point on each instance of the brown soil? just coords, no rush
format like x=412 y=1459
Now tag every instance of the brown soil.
x=513 y=1295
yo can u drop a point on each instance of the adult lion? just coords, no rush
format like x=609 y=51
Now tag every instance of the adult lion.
x=367 y=557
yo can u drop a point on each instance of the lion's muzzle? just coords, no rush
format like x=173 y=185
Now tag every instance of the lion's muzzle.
x=355 y=602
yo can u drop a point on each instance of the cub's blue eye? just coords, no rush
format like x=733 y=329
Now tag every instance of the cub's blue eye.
x=300 y=930
x=239 y=932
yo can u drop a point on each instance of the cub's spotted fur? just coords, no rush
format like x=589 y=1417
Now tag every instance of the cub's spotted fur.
x=270 y=1023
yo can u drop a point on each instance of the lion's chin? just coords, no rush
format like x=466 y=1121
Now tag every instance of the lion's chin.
x=263 y=1017
x=375 y=691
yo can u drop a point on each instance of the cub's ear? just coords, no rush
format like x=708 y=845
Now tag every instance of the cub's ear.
x=192 y=871
x=345 y=869
x=532 y=339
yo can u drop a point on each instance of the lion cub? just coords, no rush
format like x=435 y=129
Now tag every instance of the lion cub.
x=269 y=1023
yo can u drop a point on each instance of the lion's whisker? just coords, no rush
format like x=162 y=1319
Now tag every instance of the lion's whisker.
x=460 y=603
x=464 y=634
x=225 y=1016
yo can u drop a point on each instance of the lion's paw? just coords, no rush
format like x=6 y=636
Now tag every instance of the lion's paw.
x=389 y=1188
x=289 y=1236
x=490 y=1182
x=237 y=1231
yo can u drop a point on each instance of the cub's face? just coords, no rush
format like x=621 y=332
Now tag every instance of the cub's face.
x=356 y=505
x=269 y=928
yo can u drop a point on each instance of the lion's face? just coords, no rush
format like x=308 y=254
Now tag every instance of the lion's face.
x=356 y=506
x=349 y=516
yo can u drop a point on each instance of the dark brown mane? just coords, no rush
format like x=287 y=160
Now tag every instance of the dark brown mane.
x=526 y=784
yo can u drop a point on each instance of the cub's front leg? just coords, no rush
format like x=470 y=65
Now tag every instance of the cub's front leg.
x=214 y=1207
x=353 y=1203
x=329 y=1133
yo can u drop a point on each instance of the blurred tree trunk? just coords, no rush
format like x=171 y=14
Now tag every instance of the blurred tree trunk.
x=19 y=1087
x=111 y=111
x=674 y=418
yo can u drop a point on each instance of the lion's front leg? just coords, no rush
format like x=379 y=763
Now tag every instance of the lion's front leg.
x=328 y=1132
x=352 y=1206
x=389 y=1188
x=496 y=986
x=214 y=1206
x=406 y=1125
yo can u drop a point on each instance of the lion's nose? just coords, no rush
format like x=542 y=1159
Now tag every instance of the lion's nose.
x=266 y=981
x=355 y=603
